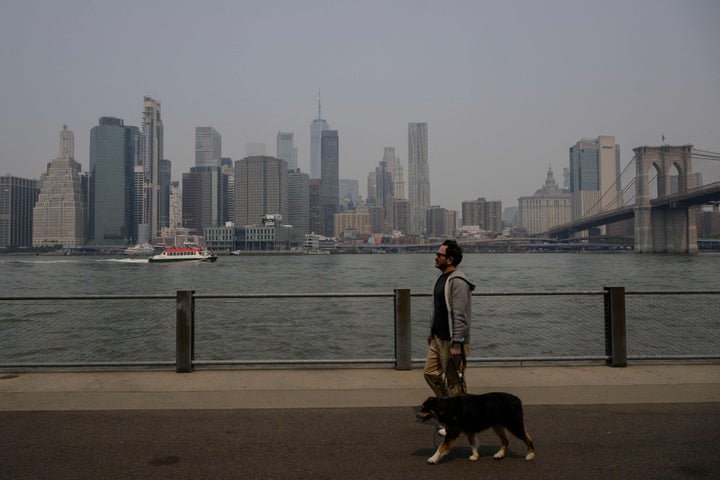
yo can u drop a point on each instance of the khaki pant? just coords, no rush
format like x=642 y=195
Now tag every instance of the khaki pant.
x=439 y=374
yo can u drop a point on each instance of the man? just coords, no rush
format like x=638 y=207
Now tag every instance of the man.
x=449 y=337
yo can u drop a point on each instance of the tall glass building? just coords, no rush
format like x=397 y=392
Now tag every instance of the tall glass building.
x=316 y=128
x=594 y=168
x=208 y=147
x=17 y=199
x=418 y=177
x=112 y=192
x=286 y=149
x=329 y=179
x=152 y=129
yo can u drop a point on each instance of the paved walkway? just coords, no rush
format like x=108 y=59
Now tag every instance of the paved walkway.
x=643 y=421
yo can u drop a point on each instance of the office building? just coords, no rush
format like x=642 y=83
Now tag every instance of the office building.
x=203 y=191
x=286 y=149
x=152 y=129
x=594 y=167
x=261 y=187
x=316 y=128
x=208 y=147
x=395 y=168
x=550 y=206
x=165 y=175
x=418 y=177
x=401 y=214
x=441 y=222
x=298 y=200
x=329 y=178
x=112 y=192
x=315 y=206
x=17 y=199
x=59 y=216
x=227 y=168
x=484 y=214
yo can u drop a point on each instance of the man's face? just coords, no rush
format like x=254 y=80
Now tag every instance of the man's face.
x=442 y=261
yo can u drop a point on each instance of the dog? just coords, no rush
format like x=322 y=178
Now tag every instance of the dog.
x=471 y=414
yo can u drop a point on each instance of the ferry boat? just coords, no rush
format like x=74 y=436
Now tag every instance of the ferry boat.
x=184 y=254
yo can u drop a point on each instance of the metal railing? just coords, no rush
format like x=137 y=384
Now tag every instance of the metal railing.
x=610 y=326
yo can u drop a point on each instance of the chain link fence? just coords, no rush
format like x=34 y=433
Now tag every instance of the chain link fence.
x=348 y=328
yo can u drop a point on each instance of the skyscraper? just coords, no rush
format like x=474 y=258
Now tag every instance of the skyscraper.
x=286 y=149
x=418 y=177
x=298 y=200
x=316 y=128
x=329 y=178
x=17 y=199
x=111 y=183
x=208 y=147
x=152 y=129
x=484 y=214
x=594 y=166
x=261 y=187
x=60 y=212
x=396 y=170
x=203 y=190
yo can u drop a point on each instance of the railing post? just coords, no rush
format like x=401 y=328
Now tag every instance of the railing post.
x=615 y=328
x=403 y=330
x=185 y=331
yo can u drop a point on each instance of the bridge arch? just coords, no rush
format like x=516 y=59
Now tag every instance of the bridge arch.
x=671 y=230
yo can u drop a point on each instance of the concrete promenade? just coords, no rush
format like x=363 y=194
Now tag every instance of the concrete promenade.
x=643 y=421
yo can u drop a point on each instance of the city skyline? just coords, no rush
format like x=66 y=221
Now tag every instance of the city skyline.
x=506 y=89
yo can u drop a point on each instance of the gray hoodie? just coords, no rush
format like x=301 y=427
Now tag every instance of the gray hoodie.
x=458 y=291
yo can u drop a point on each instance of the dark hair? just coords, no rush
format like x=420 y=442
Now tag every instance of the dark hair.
x=453 y=251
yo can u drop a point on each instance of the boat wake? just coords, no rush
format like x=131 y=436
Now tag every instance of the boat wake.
x=124 y=260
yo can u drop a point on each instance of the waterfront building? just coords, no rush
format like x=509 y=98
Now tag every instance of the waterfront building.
x=17 y=199
x=401 y=214
x=594 y=167
x=60 y=212
x=315 y=206
x=175 y=205
x=484 y=214
x=261 y=187
x=316 y=128
x=208 y=147
x=418 y=177
x=441 y=222
x=112 y=192
x=203 y=198
x=164 y=193
x=299 y=200
x=548 y=207
x=152 y=129
x=227 y=168
x=329 y=178
x=286 y=149
x=357 y=222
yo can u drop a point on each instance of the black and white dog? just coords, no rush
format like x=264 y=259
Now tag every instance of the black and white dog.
x=471 y=414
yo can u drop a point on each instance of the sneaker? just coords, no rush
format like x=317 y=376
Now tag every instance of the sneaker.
x=441 y=431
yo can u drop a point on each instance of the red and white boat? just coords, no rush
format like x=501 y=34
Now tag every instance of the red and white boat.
x=183 y=254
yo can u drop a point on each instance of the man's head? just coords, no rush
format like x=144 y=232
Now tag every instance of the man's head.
x=448 y=256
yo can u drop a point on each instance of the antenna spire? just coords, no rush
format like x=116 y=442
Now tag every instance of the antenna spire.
x=319 y=111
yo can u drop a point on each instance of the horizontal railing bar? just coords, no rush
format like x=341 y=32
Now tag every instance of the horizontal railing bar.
x=296 y=362
x=88 y=364
x=526 y=359
x=674 y=357
x=94 y=297
x=351 y=295
x=293 y=295
x=670 y=292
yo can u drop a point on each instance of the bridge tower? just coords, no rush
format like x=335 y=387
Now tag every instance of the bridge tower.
x=668 y=229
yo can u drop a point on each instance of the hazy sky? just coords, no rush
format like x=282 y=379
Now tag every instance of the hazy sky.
x=506 y=87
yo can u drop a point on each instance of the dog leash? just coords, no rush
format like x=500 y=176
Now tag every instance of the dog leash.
x=458 y=371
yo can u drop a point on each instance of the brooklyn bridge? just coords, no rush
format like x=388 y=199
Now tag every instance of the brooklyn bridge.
x=661 y=188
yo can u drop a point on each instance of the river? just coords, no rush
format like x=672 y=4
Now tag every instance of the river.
x=342 y=328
